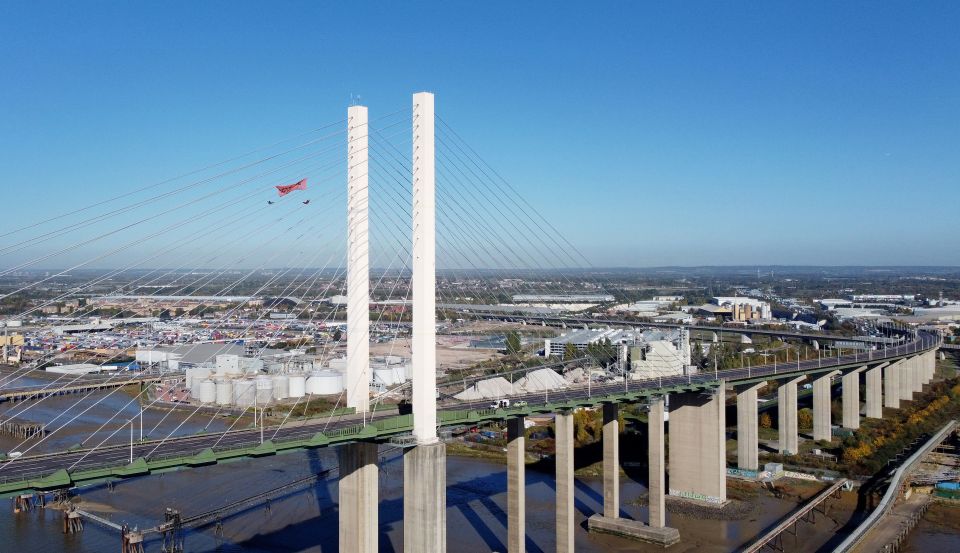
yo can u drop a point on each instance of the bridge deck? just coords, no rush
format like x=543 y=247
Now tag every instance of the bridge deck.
x=69 y=468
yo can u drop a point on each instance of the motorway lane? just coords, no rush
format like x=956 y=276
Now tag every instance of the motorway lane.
x=118 y=455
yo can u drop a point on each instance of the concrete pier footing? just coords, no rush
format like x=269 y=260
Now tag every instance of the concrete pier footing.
x=516 y=486
x=874 y=392
x=698 y=465
x=789 y=442
x=821 y=407
x=425 y=498
x=748 y=453
x=565 y=488
x=359 y=497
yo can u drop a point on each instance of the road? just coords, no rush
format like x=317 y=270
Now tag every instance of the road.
x=119 y=455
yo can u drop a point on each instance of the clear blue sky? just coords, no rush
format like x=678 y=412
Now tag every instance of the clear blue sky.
x=680 y=133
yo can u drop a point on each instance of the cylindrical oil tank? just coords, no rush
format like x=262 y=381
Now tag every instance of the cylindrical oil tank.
x=298 y=385
x=325 y=383
x=244 y=392
x=387 y=376
x=208 y=391
x=264 y=389
x=224 y=391
x=281 y=386
x=198 y=375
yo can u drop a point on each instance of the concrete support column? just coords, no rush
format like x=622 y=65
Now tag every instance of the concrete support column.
x=874 y=399
x=657 y=481
x=565 y=489
x=906 y=384
x=698 y=464
x=891 y=385
x=916 y=374
x=358 y=267
x=851 y=399
x=748 y=454
x=611 y=460
x=425 y=498
x=359 y=497
x=787 y=415
x=516 y=486
x=424 y=275
x=821 y=407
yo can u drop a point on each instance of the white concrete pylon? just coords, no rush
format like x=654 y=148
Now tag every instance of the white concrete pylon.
x=423 y=346
x=358 y=262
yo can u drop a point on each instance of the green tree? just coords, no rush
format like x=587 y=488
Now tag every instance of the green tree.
x=337 y=335
x=514 y=346
x=805 y=418
x=570 y=351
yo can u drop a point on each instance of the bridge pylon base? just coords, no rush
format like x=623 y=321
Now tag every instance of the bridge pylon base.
x=633 y=529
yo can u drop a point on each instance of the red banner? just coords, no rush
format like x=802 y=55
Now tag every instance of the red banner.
x=286 y=189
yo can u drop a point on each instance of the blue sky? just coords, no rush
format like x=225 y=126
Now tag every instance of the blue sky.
x=654 y=133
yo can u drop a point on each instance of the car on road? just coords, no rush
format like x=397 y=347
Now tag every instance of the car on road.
x=520 y=403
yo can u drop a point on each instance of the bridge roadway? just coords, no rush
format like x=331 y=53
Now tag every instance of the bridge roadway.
x=568 y=320
x=68 y=468
x=99 y=382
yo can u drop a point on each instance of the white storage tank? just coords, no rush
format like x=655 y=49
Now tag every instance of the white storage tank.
x=388 y=376
x=281 y=386
x=339 y=364
x=264 y=389
x=208 y=391
x=195 y=378
x=244 y=392
x=325 y=383
x=224 y=391
x=298 y=385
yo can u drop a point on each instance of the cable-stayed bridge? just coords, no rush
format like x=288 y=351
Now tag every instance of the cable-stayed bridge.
x=222 y=230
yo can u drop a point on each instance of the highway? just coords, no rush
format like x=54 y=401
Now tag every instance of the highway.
x=36 y=466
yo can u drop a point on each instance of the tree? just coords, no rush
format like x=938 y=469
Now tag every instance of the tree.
x=337 y=335
x=766 y=421
x=514 y=346
x=805 y=418
x=570 y=351
x=697 y=357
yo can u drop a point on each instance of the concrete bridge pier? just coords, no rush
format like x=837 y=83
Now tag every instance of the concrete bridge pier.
x=748 y=451
x=787 y=414
x=874 y=390
x=917 y=374
x=655 y=531
x=891 y=385
x=359 y=496
x=425 y=498
x=906 y=379
x=822 y=422
x=850 y=384
x=698 y=465
x=565 y=520
x=516 y=482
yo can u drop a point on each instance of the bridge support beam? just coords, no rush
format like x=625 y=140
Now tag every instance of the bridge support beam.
x=359 y=496
x=565 y=489
x=516 y=486
x=821 y=407
x=748 y=452
x=425 y=498
x=906 y=380
x=874 y=389
x=611 y=460
x=358 y=267
x=787 y=415
x=891 y=385
x=698 y=465
x=851 y=399
x=656 y=530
